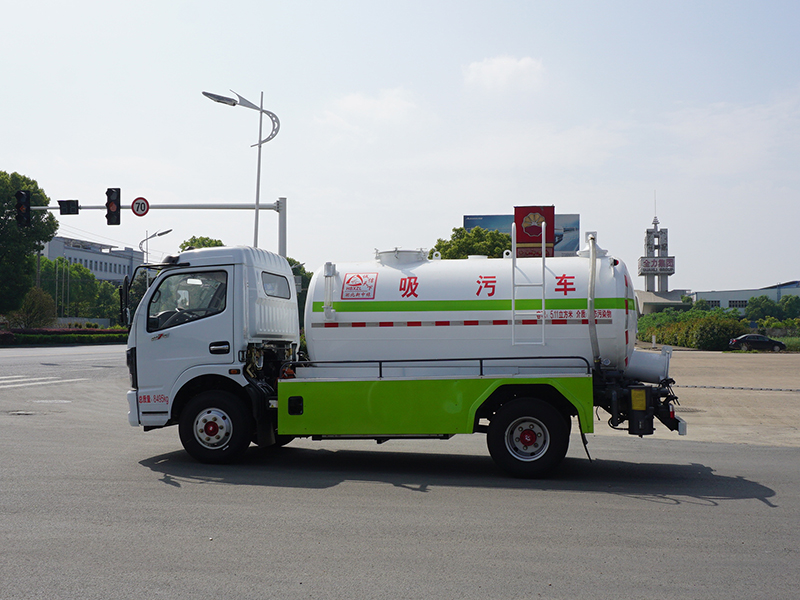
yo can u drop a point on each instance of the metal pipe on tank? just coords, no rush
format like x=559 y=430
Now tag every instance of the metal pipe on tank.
x=327 y=306
x=590 y=299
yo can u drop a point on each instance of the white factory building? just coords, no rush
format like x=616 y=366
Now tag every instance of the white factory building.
x=108 y=263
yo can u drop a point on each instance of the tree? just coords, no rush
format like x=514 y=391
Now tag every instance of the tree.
x=790 y=306
x=761 y=307
x=38 y=310
x=463 y=243
x=107 y=303
x=73 y=286
x=200 y=242
x=19 y=245
x=298 y=268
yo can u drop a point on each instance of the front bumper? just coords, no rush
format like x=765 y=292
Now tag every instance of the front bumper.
x=133 y=408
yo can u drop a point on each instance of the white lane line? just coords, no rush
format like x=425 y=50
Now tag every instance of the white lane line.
x=52 y=401
x=16 y=385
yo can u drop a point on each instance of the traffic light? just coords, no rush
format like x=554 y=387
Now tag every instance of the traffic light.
x=23 y=208
x=112 y=206
x=68 y=207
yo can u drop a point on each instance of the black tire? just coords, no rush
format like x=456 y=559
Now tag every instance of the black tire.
x=776 y=348
x=528 y=438
x=745 y=348
x=215 y=427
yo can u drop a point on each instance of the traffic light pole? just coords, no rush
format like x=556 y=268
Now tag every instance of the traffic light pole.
x=279 y=207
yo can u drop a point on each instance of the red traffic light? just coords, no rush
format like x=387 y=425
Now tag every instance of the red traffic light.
x=112 y=206
x=23 y=207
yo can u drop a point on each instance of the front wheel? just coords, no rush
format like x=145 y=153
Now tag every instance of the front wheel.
x=215 y=427
x=776 y=348
x=528 y=438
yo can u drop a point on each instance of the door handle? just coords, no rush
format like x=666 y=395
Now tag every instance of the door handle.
x=219 y=347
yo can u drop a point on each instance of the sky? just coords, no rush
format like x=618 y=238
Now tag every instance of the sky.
x=398 y=118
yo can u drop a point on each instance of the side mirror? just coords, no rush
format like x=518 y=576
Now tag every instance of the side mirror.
x=124 y=313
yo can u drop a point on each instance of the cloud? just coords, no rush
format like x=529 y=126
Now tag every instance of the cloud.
x=357 y=108
x=726 y=139
x=363 y=119
x=504 y=72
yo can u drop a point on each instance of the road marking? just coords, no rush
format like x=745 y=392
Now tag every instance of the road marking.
x=746 y=389
x=52 y=401
x=37 y=381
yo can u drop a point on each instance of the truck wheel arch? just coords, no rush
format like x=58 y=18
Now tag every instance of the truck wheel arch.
x=508 y=393
x=201 y=384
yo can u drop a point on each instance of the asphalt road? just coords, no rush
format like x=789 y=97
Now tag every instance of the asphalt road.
x=93 y=508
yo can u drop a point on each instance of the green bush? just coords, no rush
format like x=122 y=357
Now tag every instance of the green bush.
x=695 y=328
x=43 y=339
x=715 y=333
x=792 y=343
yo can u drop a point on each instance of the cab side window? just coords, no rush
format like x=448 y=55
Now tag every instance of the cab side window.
x=276 y=286
x=185 y=297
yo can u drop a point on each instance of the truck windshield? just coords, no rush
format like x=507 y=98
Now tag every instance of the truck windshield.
x=185 y=297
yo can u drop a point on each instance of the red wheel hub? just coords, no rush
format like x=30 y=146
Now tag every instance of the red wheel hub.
x=527 y=437
x=211 y=428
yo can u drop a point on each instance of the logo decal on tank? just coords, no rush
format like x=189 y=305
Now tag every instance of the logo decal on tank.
x=359 y=286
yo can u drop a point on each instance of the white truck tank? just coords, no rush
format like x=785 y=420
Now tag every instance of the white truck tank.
x=401 y=305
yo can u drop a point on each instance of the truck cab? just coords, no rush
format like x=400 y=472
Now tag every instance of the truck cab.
x=212 y=319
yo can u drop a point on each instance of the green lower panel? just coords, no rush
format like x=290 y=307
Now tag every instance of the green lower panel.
x=405 y=407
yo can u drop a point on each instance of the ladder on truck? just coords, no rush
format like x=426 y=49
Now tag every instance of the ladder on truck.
x=526 y=317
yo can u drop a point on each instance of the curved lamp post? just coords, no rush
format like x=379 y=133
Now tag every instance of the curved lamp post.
x=146 y=250
x=276 y=125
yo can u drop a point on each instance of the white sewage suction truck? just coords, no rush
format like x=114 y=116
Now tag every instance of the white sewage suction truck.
x=401 y=346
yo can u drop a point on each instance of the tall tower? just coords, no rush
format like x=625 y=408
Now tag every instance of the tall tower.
x=656 y=261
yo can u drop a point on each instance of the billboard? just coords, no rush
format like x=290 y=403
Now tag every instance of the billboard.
x=566 y=240
x=536 y=230
x=657 y=265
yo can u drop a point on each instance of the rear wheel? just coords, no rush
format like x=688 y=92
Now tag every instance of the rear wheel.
x=528 y=438
x=215 y=427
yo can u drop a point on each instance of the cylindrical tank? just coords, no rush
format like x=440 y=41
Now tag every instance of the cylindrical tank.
x=401 y=305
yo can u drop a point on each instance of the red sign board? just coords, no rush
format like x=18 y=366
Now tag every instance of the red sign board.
x=530 y=236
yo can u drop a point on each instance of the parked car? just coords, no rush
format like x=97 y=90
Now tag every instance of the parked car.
x=754 y=341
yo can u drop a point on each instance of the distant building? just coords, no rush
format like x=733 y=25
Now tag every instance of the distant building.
x=656 y=265
x=106 y=262
x=653 y=302
x=738 y=299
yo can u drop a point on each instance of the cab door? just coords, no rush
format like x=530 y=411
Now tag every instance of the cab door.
x=188 y=322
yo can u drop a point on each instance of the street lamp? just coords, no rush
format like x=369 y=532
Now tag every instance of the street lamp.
x=276 y=125
x=146 y=249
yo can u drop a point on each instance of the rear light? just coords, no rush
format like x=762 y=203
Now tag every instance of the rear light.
x=130 y=358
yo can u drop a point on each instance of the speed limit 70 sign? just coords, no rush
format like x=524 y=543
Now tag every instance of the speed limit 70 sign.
x=140 y=207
